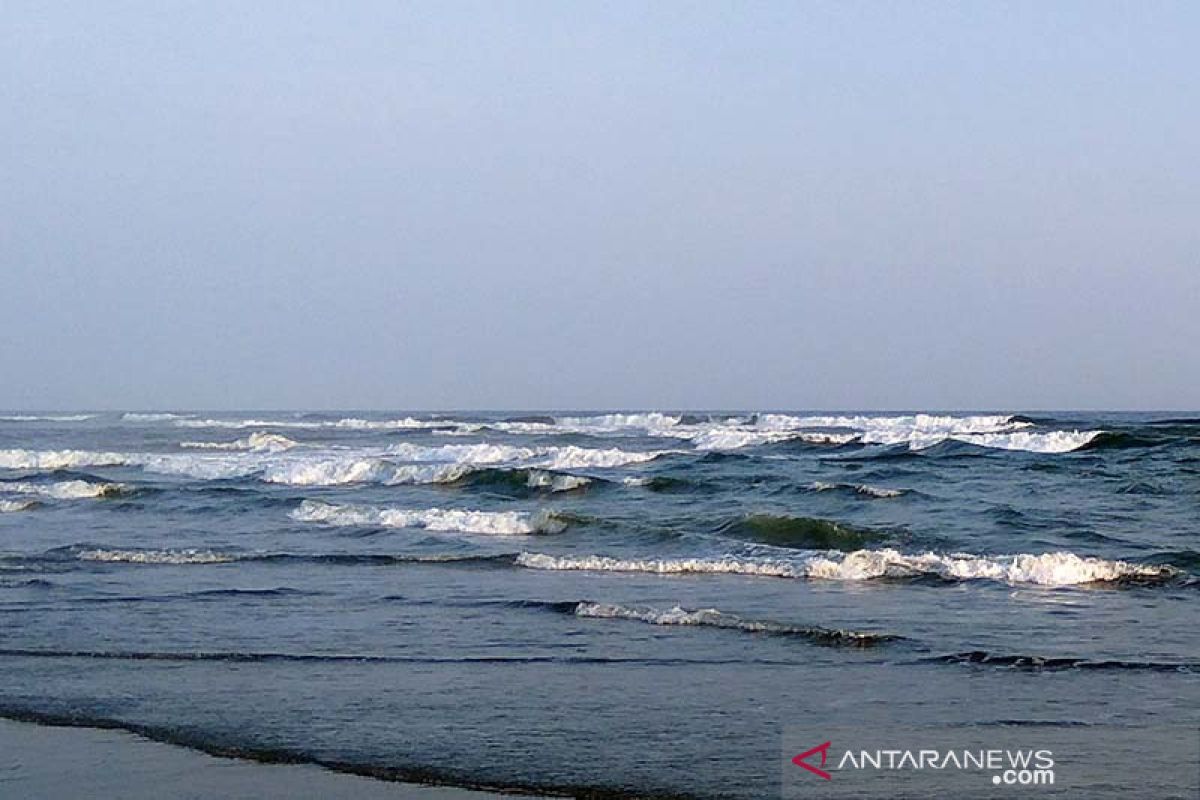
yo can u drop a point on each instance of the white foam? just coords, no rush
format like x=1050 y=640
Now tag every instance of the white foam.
x=257 y=441
x=499 y=523
x=662 y=566
x=339 y=471
x=271 y=463
x=560 y=458
x=725 y=438
x=58 y=459
x=47 y=417
x=712 y=618
x=917 y=430
x=156 y=416
x=608 y=422
x=65 y=490
x=1049 y=569
x=351 y=423
x=539 y=479
x=462 y=453
x=207 y=467
x=677 y=615
x=861 y=488
x=928 y=423
x=555 y=458
x=1049 y=442
x=186 y=556
x=10 y=506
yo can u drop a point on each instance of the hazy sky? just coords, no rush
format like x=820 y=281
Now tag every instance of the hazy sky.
x=586 y=205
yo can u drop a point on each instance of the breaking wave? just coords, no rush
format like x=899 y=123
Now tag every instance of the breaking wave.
x=553 y=458
x=46 y=417
x=805 y=533
x=266 y=456
x=918 y=431
x=185 y=556
x=858 y=488
x=501 y=523
x=349 y=423
x=1049 y=569
x=203 y=556
x=66 y=490
x=257 y=441
x=1048 y=442
x=711 y=617
x=12 y=506
x=58 y=459
x=525 y=481
x=737 y=438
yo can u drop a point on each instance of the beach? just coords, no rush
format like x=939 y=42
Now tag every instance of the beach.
x=39 y=762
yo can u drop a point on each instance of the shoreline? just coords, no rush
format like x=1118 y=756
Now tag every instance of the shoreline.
x=57 y=757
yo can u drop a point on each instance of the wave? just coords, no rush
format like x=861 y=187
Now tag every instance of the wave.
x=257 y=441
x=858 y=488
x=66 y=490
x=926 y=423
x=501 y=523
x=711 y=617
x=1049 y=663
x=269 y=461
x=184 y=556
x=717 y=433
x=1049 y=569
x=1121 y=440
x=635 y=420
x=581 y=457
x=553 y=458
x=336 y=472
x=525 y=481
x=14 y=506
x=918 y=431
x=47 y=417
x=737 y=438
x=806 y=533
x=153 y=416
x=201 y=557
x=661 y=483
x=1033 y=442
x=465 y=460
x=349 y=423
x=58 y=459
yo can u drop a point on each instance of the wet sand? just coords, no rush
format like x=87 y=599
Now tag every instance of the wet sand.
x=39 y=762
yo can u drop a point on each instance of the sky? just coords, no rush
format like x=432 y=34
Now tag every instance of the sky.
x=577 y=205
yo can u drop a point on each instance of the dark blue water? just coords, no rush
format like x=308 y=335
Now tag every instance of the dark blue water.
x=627 y=605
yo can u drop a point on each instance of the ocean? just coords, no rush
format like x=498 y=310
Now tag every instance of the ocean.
x=642 y=604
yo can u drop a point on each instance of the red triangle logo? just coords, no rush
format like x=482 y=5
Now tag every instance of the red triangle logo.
x=800 y=761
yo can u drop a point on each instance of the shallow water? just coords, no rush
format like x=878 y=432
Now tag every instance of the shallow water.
x=642 y=603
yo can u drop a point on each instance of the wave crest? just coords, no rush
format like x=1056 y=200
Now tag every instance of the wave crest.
x=66 y=490
x=258 y=441
x=497 y=523
x=711 y=617
x=183 y=556
x=807 y=533
x=1049 y=569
